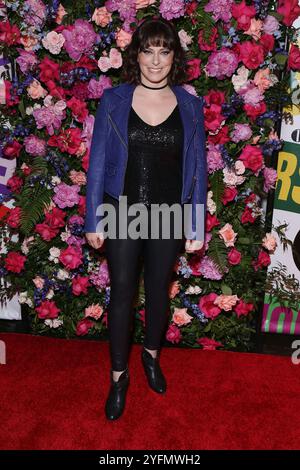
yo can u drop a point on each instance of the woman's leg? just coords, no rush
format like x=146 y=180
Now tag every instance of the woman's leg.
x=123 y=258
x=159 y=257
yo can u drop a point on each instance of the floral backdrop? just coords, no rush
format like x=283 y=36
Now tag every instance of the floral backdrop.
x=63 y=55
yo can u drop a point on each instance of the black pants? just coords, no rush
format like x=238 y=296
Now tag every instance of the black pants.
x=124 y=258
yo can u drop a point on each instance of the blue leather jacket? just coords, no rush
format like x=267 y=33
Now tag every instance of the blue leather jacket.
x=109 y=152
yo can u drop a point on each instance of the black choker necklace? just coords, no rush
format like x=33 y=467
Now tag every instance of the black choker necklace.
x=156 y=88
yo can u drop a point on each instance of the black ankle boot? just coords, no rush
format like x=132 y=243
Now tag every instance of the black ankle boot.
x=155 y=377
x=115 y=402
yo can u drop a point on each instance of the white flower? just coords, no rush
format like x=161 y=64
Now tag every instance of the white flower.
x=55 y=180
x=62 y=275
x=50 y=294
x=211 y=205
x=241 y=78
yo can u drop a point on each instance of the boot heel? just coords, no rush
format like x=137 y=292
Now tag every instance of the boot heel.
x=115 y=402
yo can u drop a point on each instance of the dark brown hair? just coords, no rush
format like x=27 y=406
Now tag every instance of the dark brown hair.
x=154 y=32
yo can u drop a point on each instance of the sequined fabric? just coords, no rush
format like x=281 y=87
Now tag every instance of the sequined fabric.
x=154 y=167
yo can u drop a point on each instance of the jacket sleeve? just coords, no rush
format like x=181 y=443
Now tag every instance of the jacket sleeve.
x=96 y=169
x=199 y=196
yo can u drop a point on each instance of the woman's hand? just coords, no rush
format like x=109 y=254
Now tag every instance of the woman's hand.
x=193 y=245
x=96 y=240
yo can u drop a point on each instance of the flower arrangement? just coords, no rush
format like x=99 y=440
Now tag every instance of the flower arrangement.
x=63 y=55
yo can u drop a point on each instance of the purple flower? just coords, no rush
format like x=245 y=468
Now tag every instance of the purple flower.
x=35 y=146
x=209 y=269
x=222 y=64
x=241 y=132
x=35 y=13
x=221 y=9
x=80 y=39
x=270 y=176
x=50 y=116
x=170 y=9
x=214 y=158
x=76 y=219
x=101 y=278
x=66 y=196
x=26 y=59
x=251 y=94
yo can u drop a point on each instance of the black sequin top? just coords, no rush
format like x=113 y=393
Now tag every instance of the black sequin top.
x=154 y=167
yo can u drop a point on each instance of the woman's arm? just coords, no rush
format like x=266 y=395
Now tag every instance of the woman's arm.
x=96 y=169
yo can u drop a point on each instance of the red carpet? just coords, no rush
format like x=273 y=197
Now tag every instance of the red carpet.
x=53 y=393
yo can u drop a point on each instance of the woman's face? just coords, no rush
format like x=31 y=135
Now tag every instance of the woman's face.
x=155 y=63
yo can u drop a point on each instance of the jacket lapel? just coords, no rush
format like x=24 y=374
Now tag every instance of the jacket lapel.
x=120 y=108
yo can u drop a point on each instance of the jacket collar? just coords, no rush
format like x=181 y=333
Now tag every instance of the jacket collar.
x=119 y=109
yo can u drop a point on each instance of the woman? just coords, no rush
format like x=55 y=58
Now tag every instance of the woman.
x=148 y=145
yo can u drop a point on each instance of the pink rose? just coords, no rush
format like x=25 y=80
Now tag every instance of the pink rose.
x=122 y=38
x=228 y=235
x=93 y=311
x=269 y=242
x=181 y=317
x=36 y=91
x=102 y=17
x=226 y=302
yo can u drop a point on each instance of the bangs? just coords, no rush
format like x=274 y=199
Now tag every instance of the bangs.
x=156 y=35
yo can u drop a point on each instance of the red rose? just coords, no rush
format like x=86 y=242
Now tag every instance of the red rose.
x=211 y=222
x=208 y=344
x=289 y=10
x=71 y=257
x=79 y=109
x=215 y=97
x=55 y=91
x=10 y=34
x=193 y=70
x=55 y=218
x=210 y=43
x=213 y=117
x=252 y=158
x=14 y=262
x=247 y=216
x=49 y=70
x=84 y=326
x=13 y=220
x=263 y=260
x=46 y=232
x=234 y=256
x=267 y=41
x=68 y=140
x=251 y=54
x=15 y=184
x=254 y=111
x=242 y=308
x=47 y=309
x=12 y=150
x=229 y=194
x=221 y=137
x=207 y=306
x=243 y=14
x=294 y=58
x=80 y=285
x=10 y=99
